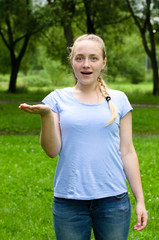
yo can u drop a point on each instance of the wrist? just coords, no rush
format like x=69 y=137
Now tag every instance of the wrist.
x=46 y=114
x=140 y=200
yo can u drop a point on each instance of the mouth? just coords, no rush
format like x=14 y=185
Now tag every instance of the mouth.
x=86 y=73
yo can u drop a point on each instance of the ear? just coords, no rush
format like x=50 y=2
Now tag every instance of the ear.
x=104 y=63
x=71 y=62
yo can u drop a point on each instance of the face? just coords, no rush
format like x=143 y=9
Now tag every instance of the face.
x=87 y=61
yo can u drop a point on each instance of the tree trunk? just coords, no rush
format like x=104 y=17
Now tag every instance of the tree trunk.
x=13 y=77
x=155 y=75
x=90 y=22
x=68 y=34
x=153 y=58
x=15 y=64
x=68 y=7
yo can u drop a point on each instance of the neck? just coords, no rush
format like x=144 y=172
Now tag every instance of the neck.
x=87 y=88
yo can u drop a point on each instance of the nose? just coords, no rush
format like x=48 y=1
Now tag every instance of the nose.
x=86 y=63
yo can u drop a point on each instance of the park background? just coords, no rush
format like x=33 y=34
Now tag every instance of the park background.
x=34 y=40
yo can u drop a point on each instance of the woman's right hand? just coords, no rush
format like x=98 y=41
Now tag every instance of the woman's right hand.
x=41 y=109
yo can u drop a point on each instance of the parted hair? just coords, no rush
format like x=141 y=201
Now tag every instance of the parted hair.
x=102 y=85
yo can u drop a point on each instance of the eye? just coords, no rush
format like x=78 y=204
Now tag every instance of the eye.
x=79 y=59
x=93 y=58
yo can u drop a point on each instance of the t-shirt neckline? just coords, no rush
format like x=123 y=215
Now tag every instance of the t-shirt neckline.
x=85 y=104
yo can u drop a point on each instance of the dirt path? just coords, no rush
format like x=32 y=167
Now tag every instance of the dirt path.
x=32 y=102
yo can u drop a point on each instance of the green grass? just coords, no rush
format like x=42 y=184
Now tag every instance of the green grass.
x=14 y=120
x=147 y=150
x=26 y=190
x=145 y=120
x=26 y=176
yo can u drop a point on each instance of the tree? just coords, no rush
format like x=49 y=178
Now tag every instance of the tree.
x=144 y=14
x=90 y=10
x=19 y=20
x=64 y=11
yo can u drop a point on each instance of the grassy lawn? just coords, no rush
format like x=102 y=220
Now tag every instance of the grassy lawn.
x=26 y=176
x=26 y=190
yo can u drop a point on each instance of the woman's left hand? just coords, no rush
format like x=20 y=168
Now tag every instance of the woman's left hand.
x=142 y=217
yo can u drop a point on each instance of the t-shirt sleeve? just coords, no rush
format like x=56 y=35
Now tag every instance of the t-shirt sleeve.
x=125 y=105
x=51 y=101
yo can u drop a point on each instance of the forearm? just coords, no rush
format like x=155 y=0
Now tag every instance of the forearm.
x=50 y=136
x=132 y=171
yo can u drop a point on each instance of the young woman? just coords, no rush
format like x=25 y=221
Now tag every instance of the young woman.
x=89 y=126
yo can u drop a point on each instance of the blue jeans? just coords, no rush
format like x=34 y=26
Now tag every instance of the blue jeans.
x=109 y=218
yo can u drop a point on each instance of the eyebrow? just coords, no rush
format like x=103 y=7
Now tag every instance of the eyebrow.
x=81 y=54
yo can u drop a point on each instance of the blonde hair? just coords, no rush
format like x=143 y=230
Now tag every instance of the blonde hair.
x=102 y=85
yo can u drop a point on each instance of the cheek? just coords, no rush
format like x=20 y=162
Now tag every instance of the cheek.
x=98 y=67
x=76 y=67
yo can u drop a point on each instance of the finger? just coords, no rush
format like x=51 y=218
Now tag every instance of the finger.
x=23 y=105
x=144 y=220
x=139 y=227
x=139 y=219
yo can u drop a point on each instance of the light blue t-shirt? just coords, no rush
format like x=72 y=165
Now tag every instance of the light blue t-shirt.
x=89 y=164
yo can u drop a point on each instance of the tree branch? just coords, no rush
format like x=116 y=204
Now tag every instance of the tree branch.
x=10 y=34
x=147 y=20
x=4 y=40
x=134 y=16
x=23 y=49
x=18 y=39
x=142 y=29
x=119 y=21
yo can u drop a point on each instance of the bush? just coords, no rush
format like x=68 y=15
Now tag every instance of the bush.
x=34 y=80
x=127 y=60
x=134 y=71
x=55 y=72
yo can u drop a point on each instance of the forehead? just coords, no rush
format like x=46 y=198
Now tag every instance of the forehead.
x=87 y=47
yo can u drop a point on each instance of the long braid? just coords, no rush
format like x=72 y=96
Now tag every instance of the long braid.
x=103 y=89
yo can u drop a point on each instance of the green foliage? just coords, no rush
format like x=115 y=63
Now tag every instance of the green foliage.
x=52 y=74
x=56 y=72
x=127 y=60
x=44 y=70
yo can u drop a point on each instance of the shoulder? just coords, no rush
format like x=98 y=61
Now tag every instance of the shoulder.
x=117 y=95
x=59 y=93
x=121 y=102
x=56 y=98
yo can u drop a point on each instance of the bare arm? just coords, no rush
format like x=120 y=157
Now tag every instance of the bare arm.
x=50 y=137
x=131 y=168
